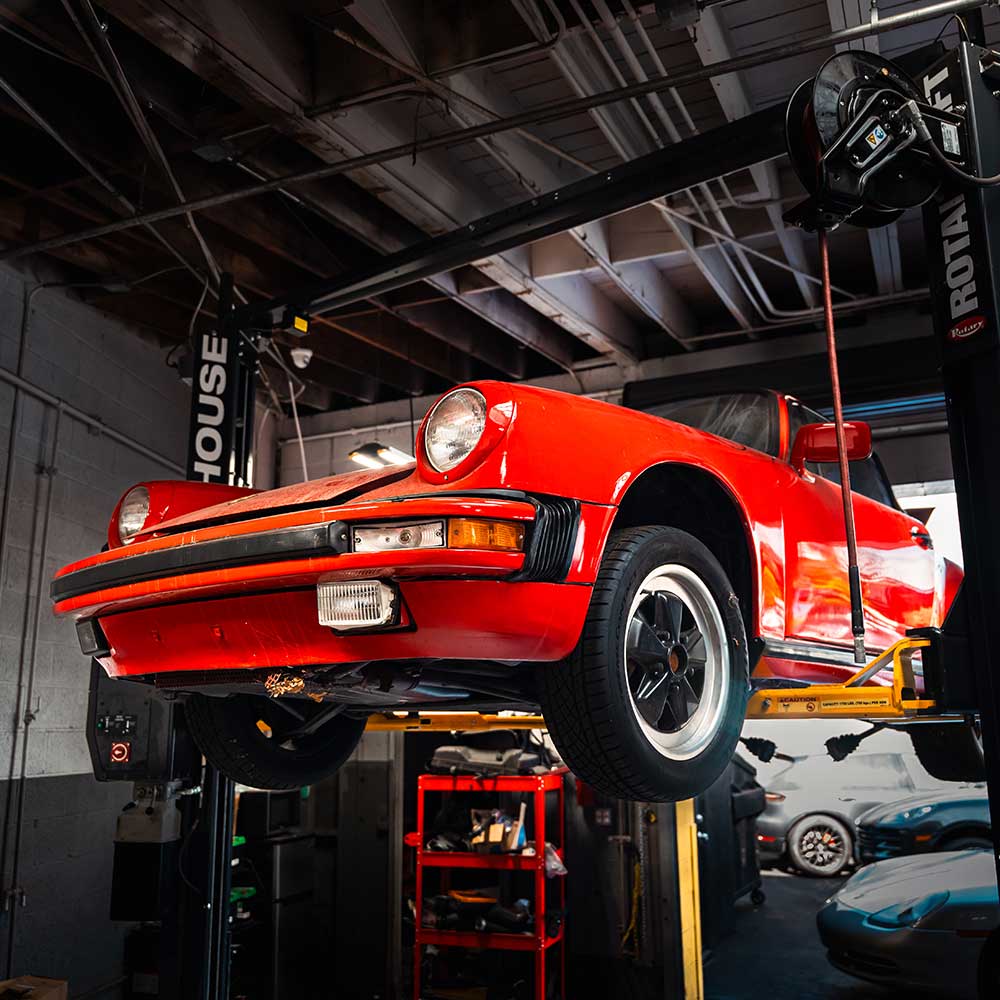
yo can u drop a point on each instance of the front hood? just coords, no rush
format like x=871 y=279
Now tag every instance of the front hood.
x=315 y=492
x=889 y=810
x=888 y=882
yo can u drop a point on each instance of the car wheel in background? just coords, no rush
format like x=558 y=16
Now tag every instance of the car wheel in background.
x=820 y=845
x=950 y=751
x=267 y=743
x=650 y=704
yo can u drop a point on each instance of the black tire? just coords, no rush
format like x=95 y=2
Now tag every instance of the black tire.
x=820 y=846
x=758 y=897
x=227 y=733
x=587 y=702
x=950 y=751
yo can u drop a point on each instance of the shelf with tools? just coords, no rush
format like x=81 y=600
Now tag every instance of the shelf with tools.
x=538 y=939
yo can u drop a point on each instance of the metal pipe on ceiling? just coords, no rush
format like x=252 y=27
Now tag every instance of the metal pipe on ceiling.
x=534 y=116
x=627 y=53
x=483 y=62
x=114 y=73
x=50 y=130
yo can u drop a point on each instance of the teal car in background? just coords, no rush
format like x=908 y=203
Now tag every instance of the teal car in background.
x=915 y=924
x=920 y=824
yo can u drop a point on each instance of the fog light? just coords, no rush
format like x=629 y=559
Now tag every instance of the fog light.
x=473 y=533
x=388 y=537
x=355 y=603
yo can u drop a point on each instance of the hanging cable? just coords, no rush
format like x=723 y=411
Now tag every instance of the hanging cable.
x=298 y=432
x=854 y=576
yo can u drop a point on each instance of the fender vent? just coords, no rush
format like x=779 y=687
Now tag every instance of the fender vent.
x=553 y=537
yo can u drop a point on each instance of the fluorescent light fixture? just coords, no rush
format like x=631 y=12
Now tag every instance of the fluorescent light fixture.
x=393 y=456
x=377 y=456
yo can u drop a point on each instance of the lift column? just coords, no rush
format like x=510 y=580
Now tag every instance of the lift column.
x=962 y=227
x=221 y=443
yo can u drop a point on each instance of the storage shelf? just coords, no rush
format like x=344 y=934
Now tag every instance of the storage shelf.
x=485 y=939
x=470 y=859
x=535 y=942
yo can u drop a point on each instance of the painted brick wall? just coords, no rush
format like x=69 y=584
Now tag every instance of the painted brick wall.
x=91 y=361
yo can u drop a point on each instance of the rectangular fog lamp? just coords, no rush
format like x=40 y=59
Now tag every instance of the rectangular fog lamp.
x=476 y=533
x=346 y=604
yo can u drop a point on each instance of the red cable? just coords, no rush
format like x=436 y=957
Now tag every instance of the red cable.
x=857 y=614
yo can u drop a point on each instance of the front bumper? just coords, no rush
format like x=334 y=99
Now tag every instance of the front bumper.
x=905 y=959
x=878 y=843
x=243 y=596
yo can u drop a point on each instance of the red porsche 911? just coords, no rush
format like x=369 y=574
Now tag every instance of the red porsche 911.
x=630 y=573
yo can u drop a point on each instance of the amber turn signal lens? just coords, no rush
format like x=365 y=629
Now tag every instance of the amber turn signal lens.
x=472 y=533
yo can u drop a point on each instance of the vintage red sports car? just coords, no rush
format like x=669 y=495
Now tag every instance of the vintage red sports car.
x=628 y=572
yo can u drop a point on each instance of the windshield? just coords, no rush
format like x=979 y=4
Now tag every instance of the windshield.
x=747 y=418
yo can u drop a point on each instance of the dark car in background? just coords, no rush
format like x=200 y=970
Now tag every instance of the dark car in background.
x=937 y=821
x=919 y=923
x=809 y=820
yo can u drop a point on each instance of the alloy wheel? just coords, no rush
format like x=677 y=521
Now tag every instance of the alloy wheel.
x=823 y=847
x=675 y=661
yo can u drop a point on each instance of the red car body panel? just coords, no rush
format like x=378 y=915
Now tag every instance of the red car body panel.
x=457 y=602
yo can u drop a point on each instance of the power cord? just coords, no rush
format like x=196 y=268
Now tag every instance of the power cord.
x=911 y=113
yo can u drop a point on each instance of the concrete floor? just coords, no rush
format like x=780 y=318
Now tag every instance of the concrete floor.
x=775 y=952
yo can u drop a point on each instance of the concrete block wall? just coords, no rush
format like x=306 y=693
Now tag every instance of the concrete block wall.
x=93 y=362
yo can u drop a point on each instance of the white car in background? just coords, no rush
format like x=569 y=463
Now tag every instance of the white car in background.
x=808 y=823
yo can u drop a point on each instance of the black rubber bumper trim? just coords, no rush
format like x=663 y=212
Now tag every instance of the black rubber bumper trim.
x=219 y=553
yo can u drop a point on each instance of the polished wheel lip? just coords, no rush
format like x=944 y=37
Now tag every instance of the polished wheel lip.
x=700 y=729
x=823 y=854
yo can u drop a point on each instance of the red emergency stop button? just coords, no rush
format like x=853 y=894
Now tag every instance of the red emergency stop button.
x=121 y=752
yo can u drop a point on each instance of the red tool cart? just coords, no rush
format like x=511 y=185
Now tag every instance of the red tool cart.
x=538 y=941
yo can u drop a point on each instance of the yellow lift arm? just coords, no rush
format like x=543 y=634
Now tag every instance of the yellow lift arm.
x=855 y=698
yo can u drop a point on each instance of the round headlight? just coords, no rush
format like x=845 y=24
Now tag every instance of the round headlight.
x=132 y=513
x=454 y=428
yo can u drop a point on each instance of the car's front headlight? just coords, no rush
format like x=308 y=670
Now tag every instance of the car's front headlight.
x=132 y=513
x=908 y=815
x=910 y=912
x=454 y=428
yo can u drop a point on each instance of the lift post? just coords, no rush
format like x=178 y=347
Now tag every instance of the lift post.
x=962 y=228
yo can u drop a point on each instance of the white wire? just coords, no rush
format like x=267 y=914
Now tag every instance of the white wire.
x=197 y=309
x=298 y=431
x=293 y=397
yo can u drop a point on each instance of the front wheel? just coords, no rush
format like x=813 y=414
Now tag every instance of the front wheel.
x=268 y=743
x=650 y=704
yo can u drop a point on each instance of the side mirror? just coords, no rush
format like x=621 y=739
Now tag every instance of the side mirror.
x=818 y=443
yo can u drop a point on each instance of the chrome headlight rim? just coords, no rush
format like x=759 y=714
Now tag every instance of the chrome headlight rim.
x=133 y=513
x=449 y=469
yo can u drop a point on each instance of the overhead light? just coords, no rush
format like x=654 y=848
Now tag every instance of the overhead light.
x=377 y=456
x=393 y=456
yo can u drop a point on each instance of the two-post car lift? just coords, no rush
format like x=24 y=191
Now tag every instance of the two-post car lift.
x=885 y=143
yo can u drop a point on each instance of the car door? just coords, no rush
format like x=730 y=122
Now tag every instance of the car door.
x=895 y=556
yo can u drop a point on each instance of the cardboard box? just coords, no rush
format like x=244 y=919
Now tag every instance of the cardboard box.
x=34 y=988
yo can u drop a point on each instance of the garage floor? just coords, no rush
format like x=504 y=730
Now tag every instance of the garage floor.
x=776 y=947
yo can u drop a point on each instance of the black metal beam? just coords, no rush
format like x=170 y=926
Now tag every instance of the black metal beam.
x=735 y=146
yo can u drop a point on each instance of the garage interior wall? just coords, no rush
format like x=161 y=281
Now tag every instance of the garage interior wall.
x=94 y=363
